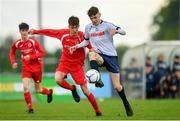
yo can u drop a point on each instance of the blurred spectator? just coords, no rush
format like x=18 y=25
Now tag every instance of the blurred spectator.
x=133 y=63
x=150 y=81
x=164 y=84
x=134 y=71
x=176 y=63
x=161 y=72
x=175 y=82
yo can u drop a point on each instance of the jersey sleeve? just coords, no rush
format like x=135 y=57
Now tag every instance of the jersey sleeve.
x=113 y=26
x=12 y=53
x=55 y=33
x=39 y=49
x=86 y=33
x=89 y=46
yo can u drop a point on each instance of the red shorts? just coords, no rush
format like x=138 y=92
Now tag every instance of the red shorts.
x=76 y=71
x=36 y=76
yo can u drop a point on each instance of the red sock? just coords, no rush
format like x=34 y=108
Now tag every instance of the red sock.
x=66 y=85
x=27 y=97
x=93 y=102
x=45 y=91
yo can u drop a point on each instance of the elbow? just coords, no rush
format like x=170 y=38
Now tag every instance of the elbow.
x=122 y=33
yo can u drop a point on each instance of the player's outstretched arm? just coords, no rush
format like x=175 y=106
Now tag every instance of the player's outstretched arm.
x=80 y=45
x=55 y=33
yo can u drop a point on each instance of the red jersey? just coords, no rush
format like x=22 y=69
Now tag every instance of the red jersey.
x=67 y=41
x=29 y=47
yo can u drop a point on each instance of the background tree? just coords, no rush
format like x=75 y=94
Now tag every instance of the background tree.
x=167 y=22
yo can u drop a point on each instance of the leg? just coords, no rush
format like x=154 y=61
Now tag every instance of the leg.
x=91 y=99
x=118 y=87
x=95 y=61
x=44 y=91
x=27 y=95
x=37 y=77
x=59 y=77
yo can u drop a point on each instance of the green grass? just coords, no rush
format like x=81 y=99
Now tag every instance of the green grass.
x=112 y=109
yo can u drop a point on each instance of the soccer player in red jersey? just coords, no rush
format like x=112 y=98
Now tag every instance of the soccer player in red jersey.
x=71 y=63
x=31 y=53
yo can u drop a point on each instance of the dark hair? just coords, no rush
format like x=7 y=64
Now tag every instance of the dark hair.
x=23 y=26
x=92 y=11
x=73 y=21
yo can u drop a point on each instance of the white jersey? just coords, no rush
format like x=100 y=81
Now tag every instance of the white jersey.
x=100 y=37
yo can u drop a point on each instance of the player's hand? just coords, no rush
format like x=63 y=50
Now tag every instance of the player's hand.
x=14 y=65
x=31 y=31
x=112 y=32
x=72 y=49
x=27 y=57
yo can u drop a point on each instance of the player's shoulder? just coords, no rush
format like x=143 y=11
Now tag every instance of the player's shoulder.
x=16 y=43
x=107 y=22
x=33 y=40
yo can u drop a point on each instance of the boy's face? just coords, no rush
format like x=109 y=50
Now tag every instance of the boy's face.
x=74 y=30
x=95 y=19
x=24 y=32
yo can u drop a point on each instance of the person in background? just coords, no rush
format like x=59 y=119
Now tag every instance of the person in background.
x=31 y=54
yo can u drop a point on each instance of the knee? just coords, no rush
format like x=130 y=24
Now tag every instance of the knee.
x=85 y=91
x=92 y=55
x=58 y=80
x=38 y=90
x=26 y=89
x=118 y=87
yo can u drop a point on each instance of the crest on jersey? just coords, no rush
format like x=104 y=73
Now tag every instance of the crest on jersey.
x=29 y=45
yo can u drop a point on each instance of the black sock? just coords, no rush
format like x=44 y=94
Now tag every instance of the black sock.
x=94 y=65
x=123 y=97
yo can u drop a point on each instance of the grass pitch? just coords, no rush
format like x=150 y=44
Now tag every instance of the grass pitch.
x=112 y=109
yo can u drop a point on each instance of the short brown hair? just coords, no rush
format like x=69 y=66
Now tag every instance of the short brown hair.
x=23 y=26
x=92 y=11
x=73 y=21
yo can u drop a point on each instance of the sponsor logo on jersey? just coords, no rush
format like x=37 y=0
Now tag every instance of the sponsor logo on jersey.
x=97 y=34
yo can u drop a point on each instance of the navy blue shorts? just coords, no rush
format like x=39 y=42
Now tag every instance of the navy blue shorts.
x=111 y=63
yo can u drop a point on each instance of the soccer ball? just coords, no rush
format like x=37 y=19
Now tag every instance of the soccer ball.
x=92 y=76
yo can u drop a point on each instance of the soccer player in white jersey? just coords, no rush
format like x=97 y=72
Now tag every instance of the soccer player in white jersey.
x=100 y=34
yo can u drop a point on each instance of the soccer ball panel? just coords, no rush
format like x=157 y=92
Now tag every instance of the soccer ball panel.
x=92 y=76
